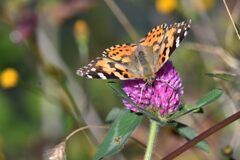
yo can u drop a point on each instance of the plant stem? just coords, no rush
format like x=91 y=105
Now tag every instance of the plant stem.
x=151 y=139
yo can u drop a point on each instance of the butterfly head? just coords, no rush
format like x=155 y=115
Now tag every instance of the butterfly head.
x=150 y=80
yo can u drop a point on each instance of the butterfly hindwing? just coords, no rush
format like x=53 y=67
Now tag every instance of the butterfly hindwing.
x=105 y=68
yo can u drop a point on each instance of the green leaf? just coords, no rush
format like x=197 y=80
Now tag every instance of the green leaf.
x=209 y=98
x=224 y=76
x=197 y=108
x=189 y=133
x=112 y=115
x=184 y=109
x=118 y=89
x=172 y=123
x=200 y=110
x=125 y=123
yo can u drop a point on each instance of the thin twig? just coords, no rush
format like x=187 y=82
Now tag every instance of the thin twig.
x=222 y=53
x=230 y=30
x=234 y=25
x=202 y=136
x=81 y=129
x=122 y=19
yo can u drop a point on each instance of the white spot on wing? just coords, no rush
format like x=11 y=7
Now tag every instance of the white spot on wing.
x=79 y=72
x=179 y=30
x=101 y=75
x=89 y=76
x=93 y=69
x=177 y=41
x=185 y=33
x=164 y=25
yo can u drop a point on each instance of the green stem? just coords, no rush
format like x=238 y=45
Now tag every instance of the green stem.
x=151 y=139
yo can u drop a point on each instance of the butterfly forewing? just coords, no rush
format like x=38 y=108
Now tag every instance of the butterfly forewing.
x=154 y=36
x=120 y=53
x=164 y=45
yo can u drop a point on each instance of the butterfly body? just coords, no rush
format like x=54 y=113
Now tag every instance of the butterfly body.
x=143 y=64
x=138 y=61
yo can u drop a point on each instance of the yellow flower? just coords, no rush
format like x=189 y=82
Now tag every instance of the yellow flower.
x=166 y=6
x=205 y=4
x=81 y=32
x=9 y=78
x=81 y=27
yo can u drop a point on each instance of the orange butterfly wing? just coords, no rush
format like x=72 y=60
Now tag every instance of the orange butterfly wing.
x=113 y=65
x=163 y=40
x=120 y=53
x=156 y=35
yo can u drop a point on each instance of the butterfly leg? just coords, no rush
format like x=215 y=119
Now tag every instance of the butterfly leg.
x=141 y=93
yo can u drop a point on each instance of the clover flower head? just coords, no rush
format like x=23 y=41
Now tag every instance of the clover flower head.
x=164 y=94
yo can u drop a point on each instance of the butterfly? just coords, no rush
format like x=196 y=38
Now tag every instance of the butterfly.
x=141 y=60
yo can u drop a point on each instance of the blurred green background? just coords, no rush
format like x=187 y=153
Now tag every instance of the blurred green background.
x=43 y=43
